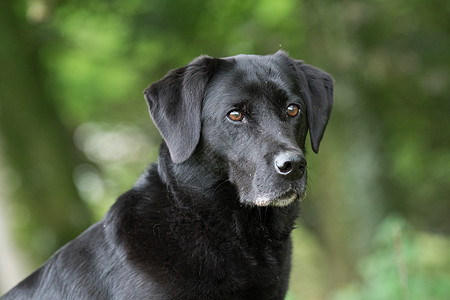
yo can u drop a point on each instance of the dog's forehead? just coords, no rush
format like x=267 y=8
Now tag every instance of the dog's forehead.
x=259 y=67
x=254 y=77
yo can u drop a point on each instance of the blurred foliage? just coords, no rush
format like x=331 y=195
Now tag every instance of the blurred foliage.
x=72 y=116
x=403 y=264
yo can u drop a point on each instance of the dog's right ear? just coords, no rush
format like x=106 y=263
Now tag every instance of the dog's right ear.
x=317 y=91
x=175 y=104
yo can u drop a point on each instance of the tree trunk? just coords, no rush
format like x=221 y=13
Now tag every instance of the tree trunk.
x=37 y=146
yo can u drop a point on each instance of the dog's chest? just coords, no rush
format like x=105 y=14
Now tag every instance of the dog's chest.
x=203 y=255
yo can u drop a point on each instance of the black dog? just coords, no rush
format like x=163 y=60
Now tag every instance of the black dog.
x=212 y=219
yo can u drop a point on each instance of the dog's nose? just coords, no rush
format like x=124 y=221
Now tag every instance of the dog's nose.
x=290 y=163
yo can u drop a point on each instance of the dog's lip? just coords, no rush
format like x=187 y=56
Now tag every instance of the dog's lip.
x=280 y=201
x=285 y=200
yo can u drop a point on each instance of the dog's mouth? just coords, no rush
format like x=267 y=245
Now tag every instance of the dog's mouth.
x=280 y=201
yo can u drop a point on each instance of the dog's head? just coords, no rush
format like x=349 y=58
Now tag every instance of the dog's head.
x=249 y=116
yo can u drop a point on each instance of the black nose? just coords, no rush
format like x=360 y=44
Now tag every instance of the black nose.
x=290 y=163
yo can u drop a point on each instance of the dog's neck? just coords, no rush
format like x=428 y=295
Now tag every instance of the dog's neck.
x=194 y=174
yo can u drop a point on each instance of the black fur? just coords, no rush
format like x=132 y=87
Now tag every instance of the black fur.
x=212 y=219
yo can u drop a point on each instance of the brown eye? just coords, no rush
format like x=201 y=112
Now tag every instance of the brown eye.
x=292 y=110
x=235 y=115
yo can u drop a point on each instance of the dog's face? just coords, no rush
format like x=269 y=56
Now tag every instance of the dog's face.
x=254 y=117
x=245 y=118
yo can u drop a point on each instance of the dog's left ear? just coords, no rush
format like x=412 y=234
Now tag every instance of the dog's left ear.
x=317 y=91
x=175 y=104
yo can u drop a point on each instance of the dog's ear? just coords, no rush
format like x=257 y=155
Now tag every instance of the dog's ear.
x=317 y=91
x=175 y=104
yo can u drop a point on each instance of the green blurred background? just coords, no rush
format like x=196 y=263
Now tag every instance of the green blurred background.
x=75 y=131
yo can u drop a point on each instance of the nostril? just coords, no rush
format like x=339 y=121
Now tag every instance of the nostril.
x=285 y=168
x=302 y=165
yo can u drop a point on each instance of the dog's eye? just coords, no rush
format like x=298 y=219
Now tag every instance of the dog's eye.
x=235 y=115
x=292 y=110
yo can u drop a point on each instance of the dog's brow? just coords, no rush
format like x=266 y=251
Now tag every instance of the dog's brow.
x=267 y=89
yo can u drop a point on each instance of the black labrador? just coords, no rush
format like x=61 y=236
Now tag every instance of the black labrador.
x=212 y=219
